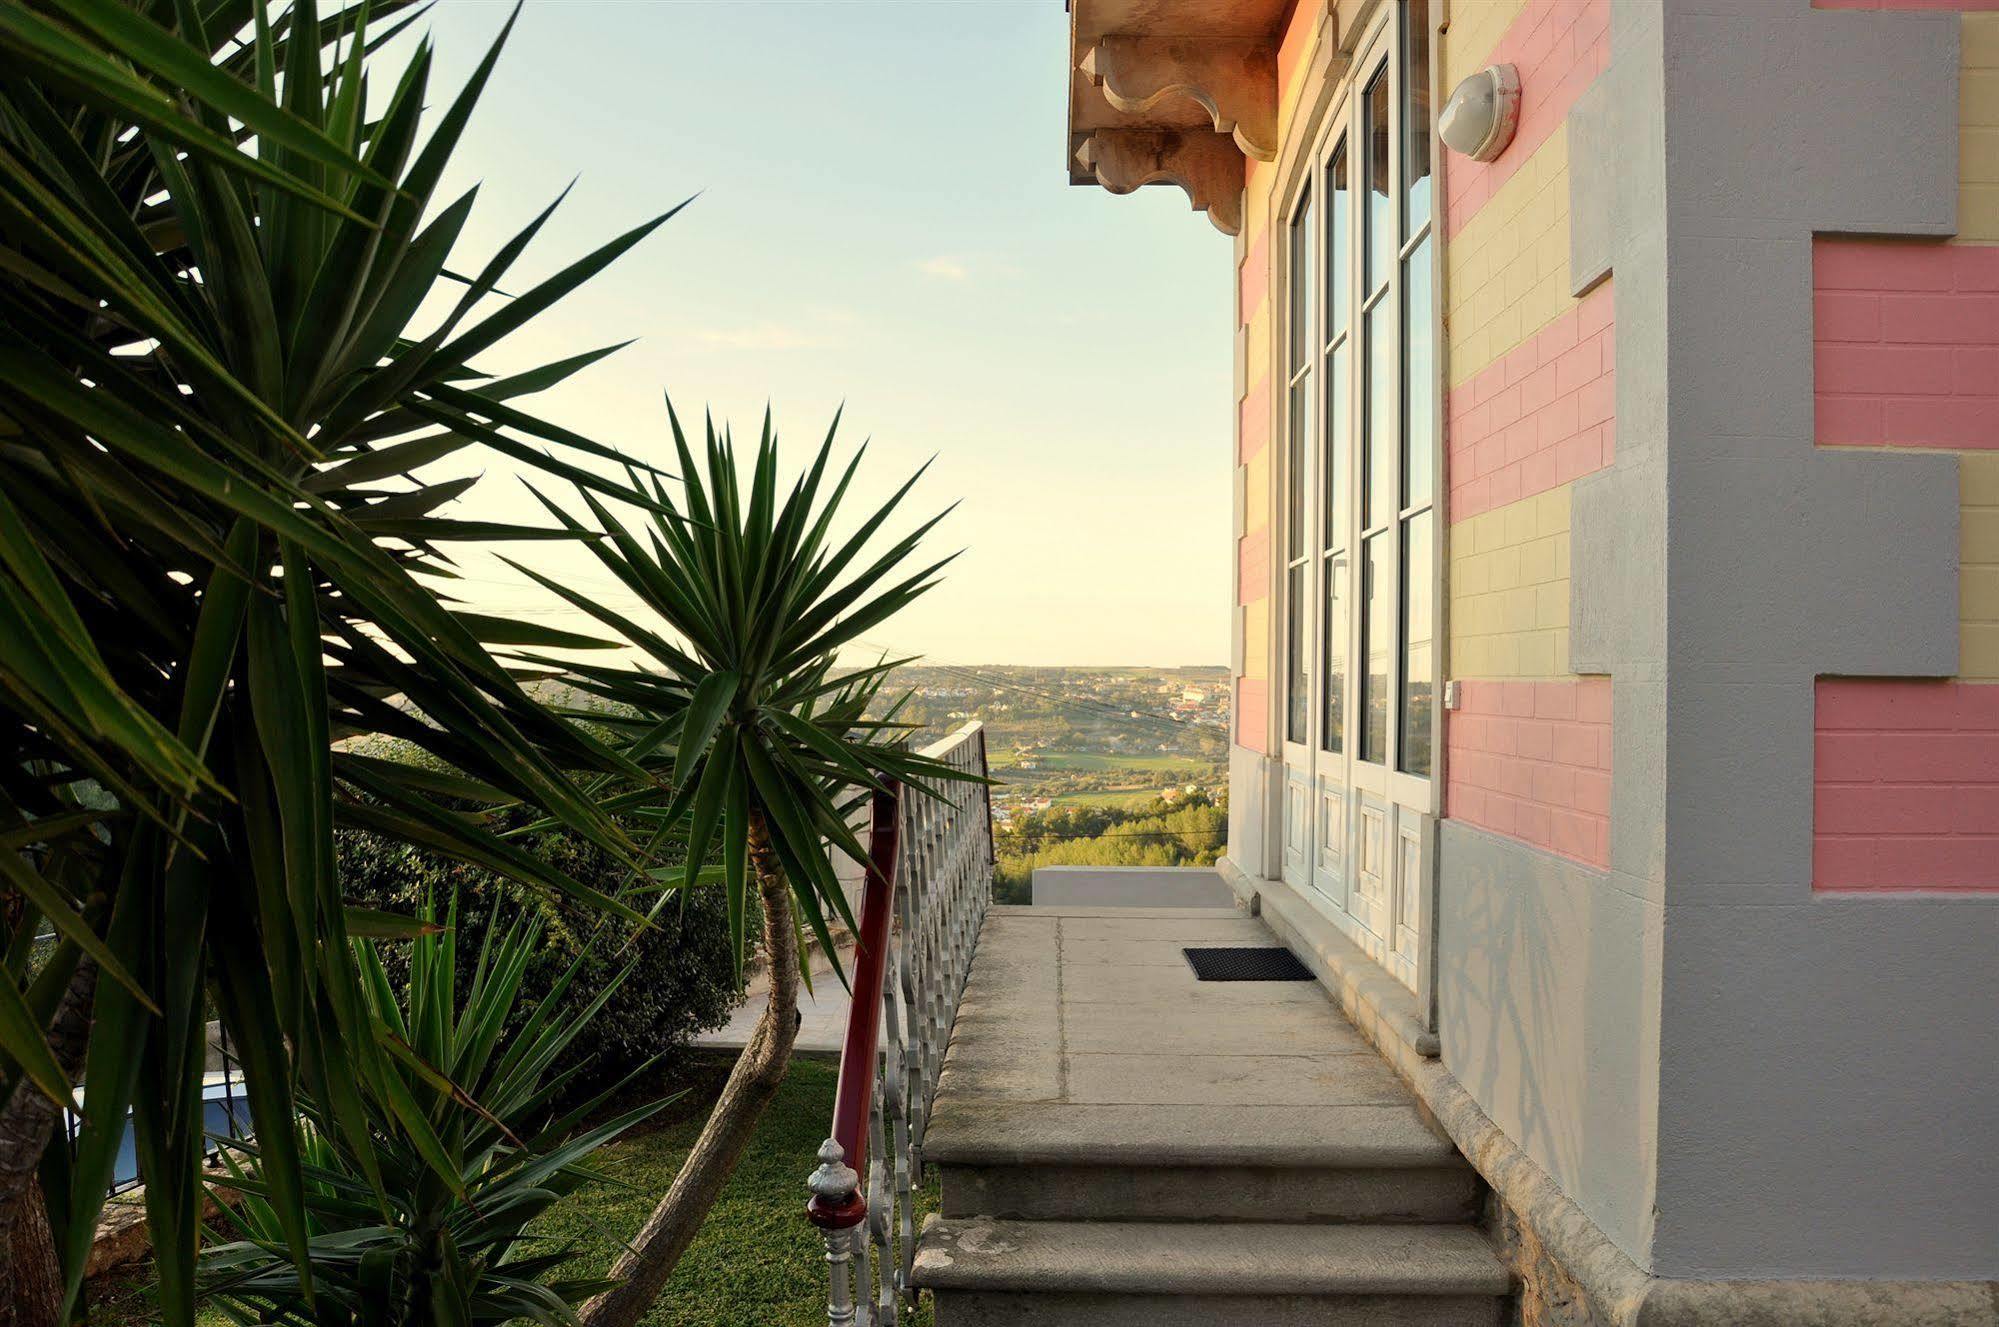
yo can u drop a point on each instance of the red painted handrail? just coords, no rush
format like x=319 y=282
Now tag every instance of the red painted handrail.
x=853 y=1099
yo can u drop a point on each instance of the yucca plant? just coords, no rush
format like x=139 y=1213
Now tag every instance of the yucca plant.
x=454 y=1247
x=743 y=707
x=212 y=403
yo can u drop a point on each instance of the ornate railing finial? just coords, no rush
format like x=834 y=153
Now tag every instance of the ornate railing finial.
x=927 y=887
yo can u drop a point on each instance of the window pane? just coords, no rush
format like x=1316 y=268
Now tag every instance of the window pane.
x=1416 y=119
x=1379 y=462
x=1334 y=480
x=1419 y=414
x=1418 y=657
x=1301 y=283
x=1377 y=638
x=1296 y=699
x=1295 y=444
x=1337 y=226
x=1333 y=670
x=1381 y=244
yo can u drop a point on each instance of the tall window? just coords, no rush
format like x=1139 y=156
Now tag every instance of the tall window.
x=1418 y=669
x=1375 y=450
x=1333 y=465
x=1297 y=544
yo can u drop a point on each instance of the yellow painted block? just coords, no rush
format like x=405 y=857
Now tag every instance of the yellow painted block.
x=1509 y=589
x=1255 y=639
x=1257 y=348
x=1978 y=479
x=1978 y=565
x=1509 y=264
x=1256 y=197
x=1978 y=127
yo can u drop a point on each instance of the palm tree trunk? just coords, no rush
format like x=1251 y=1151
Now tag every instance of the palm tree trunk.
x=643 y=1268
x=28 y=1119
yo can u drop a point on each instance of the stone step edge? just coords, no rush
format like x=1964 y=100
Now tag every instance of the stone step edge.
x=952 y=1139
x=1210 y=1258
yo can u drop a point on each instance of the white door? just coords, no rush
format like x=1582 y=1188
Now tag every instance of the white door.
x=1359 y=526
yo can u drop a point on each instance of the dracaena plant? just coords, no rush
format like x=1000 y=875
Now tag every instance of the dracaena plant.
x=453 y=1244
x=742 y=707
x=217 y=400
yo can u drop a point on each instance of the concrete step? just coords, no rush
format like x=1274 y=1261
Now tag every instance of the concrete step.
x=986 y=1273
x=1056 y=1162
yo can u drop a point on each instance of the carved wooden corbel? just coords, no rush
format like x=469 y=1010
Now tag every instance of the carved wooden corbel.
x=1208 y=166
x=1234 y=80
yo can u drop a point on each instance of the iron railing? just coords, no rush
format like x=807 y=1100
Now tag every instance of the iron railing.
x=929 y=880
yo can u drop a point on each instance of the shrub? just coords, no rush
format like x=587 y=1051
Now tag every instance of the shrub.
x=684 y=983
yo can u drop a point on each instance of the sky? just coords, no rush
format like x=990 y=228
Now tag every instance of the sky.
x=883 y=220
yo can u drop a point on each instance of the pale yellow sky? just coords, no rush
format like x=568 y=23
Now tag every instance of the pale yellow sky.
x=883 y=220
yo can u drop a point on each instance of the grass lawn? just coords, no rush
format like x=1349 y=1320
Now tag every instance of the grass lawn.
x=756 y=1263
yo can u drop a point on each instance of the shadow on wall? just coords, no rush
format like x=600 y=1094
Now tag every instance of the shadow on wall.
x=1541 y=978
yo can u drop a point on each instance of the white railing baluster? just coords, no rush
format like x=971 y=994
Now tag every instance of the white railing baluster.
x=928 y=886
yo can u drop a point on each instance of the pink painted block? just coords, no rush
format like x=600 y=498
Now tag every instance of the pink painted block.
x=1882 y=369
x=1960 y=422
x=1252 y=705
x=1576 y=744
x=1846 y=316
x=1885 y=704
x=1593 y=792
x=1949 y=319
x=1975 y=267
x=1593 y=700
x=1865 y=264
x=1848 y=421
x=1555 y=700
x=1537 y=401
x=1517 y=699
x=1906 y=784
x=1253 y=279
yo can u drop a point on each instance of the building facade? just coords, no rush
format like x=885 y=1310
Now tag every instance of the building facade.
x=1617 y=601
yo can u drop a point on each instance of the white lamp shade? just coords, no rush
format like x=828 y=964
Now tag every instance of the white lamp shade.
x=1479 y=119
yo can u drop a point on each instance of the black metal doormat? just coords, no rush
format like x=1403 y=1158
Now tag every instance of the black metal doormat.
x=1246 y=963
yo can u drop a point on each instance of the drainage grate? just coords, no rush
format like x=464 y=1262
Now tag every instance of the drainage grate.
x=1246 y=963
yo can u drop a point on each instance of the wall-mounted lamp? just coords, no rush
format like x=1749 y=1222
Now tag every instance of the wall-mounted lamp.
x=1479 y=119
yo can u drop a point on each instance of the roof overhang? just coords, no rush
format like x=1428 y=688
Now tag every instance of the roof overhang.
x=1173 y=92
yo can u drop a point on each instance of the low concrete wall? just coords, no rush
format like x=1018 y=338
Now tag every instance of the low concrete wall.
x=1130 y=887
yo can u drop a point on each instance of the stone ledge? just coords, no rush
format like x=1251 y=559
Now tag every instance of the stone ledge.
x=1248 y=1258
x=1318 y=1137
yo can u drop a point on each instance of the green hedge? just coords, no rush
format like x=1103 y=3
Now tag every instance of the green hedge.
x=684 y=984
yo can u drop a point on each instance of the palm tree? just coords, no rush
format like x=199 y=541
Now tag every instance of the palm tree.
x=766 y=741
x=212 y=406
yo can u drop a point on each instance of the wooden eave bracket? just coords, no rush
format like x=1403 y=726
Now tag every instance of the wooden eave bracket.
x=1207 y=165
x=1233 y=79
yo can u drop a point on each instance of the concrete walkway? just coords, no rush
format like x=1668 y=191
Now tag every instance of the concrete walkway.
x=1122 y=1145
x=824 y=1008
x=1097 y=1007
